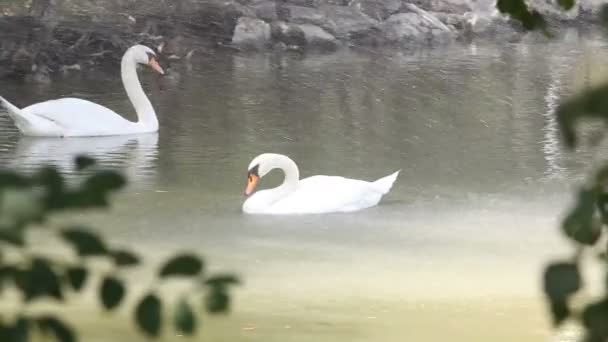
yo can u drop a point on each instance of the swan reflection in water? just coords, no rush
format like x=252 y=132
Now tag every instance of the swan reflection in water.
x=133 y=155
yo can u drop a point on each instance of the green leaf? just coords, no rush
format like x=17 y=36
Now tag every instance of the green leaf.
x=21 y=330
x=217 y=300
x=20 y=206
x=184 y=319
x=518 y=10
x=83 y=162
x=566 y=4
x=104 y=181
x=112 y=292
x=10 y=179
x=15 y=333
x=592 y=103
x=602 y=205
x=148 y=315
x=85 y=242
x=12 y=236
x=182 y=265
x=561 y=280
x=52 y=325
x=595 y=319
x=50 y=177
x=580 y=224
x=604 y=15
x=94 y=190
x=54 y=184
x=559 y=311
x=7 y=275
x=38 y=281
x=592 y=338
x=77 y=277
x=222 y=280
x=124 y=258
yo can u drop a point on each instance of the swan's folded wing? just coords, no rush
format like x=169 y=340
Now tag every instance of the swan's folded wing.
x=77 y=114
x=320 y=194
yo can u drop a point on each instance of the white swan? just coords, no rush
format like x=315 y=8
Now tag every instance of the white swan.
x=76 y=117
x=312 y=195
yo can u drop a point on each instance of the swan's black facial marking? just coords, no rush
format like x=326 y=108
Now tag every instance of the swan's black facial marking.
x=151 y=56
x=254 y=170
x=252 y=180
x=153 y=62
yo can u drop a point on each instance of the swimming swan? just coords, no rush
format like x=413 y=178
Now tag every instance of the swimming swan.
x=312 y=195
x=69 y=117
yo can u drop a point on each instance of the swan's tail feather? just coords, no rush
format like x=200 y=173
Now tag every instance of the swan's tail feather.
x=9 y=107
x=385 y=184
x=23 y=121
x=19 y=118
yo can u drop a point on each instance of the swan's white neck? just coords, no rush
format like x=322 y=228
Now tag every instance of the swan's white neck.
x=145 y=112
x=292 y=174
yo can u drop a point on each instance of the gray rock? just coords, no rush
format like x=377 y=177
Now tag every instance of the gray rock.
x=251 y=33
x=347 y=22
x=401 y=27
x=306 y=15
x=553 y=12
x=415 y=26
x=446 y=6
x=266 y=11
x=377 y=9
x=303 y=35
x=287 y=34
x=340 y=21
x=494 y=27
x=217 y=19
x=316 y=37
x=337 y=2
x=303 y=3
x=456 y=22
x=427 y=18
x=252 y=2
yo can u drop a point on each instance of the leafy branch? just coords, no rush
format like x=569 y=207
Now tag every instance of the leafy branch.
x=27 y=201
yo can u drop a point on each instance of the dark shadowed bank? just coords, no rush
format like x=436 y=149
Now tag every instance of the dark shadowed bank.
x=39 y=37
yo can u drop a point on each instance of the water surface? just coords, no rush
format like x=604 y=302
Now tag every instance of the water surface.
x=455 y=250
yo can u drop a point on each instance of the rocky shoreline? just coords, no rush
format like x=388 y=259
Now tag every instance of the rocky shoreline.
x=47 y=36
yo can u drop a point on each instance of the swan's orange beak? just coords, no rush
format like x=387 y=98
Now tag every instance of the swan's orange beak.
x=153 y=63
x=252 y=182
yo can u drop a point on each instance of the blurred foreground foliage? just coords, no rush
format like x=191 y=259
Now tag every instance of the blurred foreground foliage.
x=587 y=221
x=27 y=202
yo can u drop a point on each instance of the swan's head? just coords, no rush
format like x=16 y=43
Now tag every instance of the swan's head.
x=144 y=55
x=258 y=168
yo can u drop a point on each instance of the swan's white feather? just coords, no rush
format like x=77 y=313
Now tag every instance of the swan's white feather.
x=71 y=117
x=322 y=194
x=77 y=117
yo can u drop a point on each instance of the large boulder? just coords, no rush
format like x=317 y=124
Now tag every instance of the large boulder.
x=317 y=37
x=445 y=6
x=552 y=12
x=305 y=15
x=347 y=22
x=251 y=33
x=455 y=22
x=304 y=3
x=377 y=9
x=496 y=27
x=266 y=11
x=303 y=36
x=287 y=34
x=415 y=26
x=343 y=22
